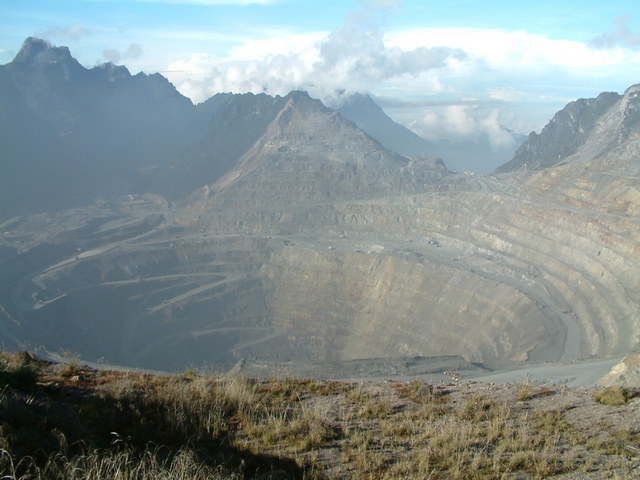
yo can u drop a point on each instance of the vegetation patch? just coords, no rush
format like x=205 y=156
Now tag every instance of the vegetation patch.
x=615 y=395
x=189 y=426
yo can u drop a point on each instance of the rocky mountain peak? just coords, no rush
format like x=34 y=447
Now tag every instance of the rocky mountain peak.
x=111 y=72
x=577 y=124
x=362 y=110
x=631 y=106
x=38 y=53
x=633 y=91
x=35 y=50
x=303 y=98
x=361 y=100
x=76 y=133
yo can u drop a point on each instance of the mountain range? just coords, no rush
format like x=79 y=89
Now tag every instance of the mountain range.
x=262 y=229
x=477 y=155
x=74 y=134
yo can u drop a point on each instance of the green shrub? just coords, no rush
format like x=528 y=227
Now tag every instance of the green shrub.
x=525 y=392
x=614 y=396
x=23 y=367
x=26 y=374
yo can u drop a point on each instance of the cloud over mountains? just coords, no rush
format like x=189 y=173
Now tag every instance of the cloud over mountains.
x=353 y=58
x=459 y=71
x=621 y=36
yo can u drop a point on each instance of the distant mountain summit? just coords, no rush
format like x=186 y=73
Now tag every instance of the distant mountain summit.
x=477 y=155
x=582 y=131
x=71 y=134
x=369 y=116
x=265 y=150
x=587 y=156
x=36 y=52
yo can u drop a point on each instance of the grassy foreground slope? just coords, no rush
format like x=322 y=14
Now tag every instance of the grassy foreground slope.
x=67 y=421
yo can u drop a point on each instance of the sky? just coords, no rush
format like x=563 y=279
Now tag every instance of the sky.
x=455 y=69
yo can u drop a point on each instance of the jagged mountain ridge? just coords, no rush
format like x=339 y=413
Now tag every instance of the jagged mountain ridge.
x=71 y=134
x=599 y=168
x=237 y=122
x=294 y=132
x=299 y=151
x=582 y=131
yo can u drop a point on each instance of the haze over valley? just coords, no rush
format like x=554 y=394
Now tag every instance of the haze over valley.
x=142 y=230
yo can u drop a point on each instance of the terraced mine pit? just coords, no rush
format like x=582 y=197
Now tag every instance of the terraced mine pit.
x=459 y=273
x=286 y=235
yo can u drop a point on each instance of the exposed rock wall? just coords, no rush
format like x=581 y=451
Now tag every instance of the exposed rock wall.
x=625 y=374
x=365 y=305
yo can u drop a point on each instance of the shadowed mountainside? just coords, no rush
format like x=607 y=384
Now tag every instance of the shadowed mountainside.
x=70 y=134
x=364 y=112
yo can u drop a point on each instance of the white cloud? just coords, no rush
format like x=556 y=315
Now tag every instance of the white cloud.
x=131 y=52
x=352 y=58
x=383 y=3
x=458 y=121
x=498 y=137
x=510 y=94
x=73 y=31
x=509 y=50
x=532 y=76
x=621 y=36
x=464 y=122
x=361 y=57
x=272 y=43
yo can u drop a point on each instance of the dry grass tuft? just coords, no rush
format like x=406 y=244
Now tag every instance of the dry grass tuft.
x=614 y=396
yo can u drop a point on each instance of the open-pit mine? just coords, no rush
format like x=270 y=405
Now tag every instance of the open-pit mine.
x=287 y=234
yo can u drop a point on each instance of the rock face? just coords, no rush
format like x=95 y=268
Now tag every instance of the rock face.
x=584 y=130
x=294 y=150
x=625 y=374
x=292 y=234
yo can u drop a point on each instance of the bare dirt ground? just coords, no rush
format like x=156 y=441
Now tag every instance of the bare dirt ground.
x=594 y=441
